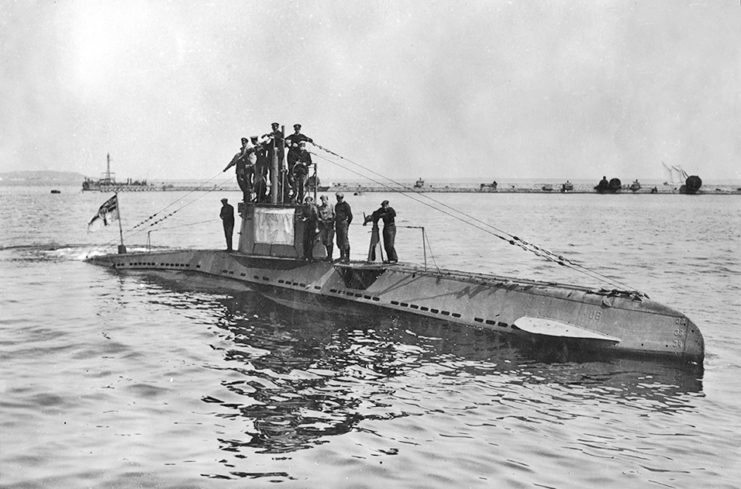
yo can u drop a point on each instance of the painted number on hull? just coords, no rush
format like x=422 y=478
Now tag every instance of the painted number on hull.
x=678 y=339
x=594 y=315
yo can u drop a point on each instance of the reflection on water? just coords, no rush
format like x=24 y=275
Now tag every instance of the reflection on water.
x=296 y=378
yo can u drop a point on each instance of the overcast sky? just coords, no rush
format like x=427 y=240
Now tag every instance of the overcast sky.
x=438 y=89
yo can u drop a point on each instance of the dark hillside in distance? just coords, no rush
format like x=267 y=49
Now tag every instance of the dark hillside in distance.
x=41 y=177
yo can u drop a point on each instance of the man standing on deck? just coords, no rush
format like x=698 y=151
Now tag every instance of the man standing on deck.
x=326 y=225
x=343 y=218
x=294 y=145
x=245 y=168
x=301 y=172
x=227 y=219
x=274 y=146
x=261 y=170
x=309 y=218
x=388 y=215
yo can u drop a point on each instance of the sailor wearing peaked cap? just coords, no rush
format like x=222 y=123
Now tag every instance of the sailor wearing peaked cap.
x=227 y=219
x=293 y=142
x=343 y=218
x=388 y=215
x=274 y=148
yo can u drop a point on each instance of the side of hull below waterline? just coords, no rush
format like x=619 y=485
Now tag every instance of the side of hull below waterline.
x=618 y=322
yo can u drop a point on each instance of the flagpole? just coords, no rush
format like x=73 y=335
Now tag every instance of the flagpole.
x=121 y=247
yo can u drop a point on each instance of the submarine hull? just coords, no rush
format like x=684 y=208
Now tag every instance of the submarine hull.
x=618 y=322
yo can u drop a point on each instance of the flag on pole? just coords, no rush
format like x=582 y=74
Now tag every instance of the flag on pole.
x=107 y=211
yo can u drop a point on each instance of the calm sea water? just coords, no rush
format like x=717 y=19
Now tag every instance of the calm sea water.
x=113 y=380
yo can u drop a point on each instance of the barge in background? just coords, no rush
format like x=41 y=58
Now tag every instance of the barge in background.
x=569 y=318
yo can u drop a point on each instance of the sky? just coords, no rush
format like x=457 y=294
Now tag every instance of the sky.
x=443 y=90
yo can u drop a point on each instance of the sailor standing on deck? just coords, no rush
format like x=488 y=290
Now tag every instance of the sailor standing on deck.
x=245 y=168
x=301 y=172
x=262 y=166
x=326 y=225
x=309 y=217
x=274 y=145
x=227 y=219
x=343 y=218
x=293 y=142
x=388 y=215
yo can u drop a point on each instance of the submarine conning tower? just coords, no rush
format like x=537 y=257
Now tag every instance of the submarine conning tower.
x=275 y=228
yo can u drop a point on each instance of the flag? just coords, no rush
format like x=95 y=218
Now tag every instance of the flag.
x=109 y=210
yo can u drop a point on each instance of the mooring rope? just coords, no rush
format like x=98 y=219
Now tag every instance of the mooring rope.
x=199 y=187
x=471 y=220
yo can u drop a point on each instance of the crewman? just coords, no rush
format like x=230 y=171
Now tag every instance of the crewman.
x=261 y=170
x=274 y=145
x=227 y=219
x=326 y=225
x=245 y=168
x=309 y=217
x=388 y=215
x=343 y=218
x=293 y=142
x=301 y=172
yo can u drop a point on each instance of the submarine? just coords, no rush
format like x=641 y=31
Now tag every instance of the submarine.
x=269 y=260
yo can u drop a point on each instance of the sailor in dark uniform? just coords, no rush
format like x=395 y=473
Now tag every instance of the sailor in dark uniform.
x=244 y=168
x=301 y=172
x=309 y=217
x=262 y=165
x=227 y=219
x=274 y=146
x=294 y=145
x=388 y=215
x=343 y=218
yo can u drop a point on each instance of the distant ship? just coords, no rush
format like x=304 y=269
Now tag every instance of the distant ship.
x=488 y=187
x=567 y=186
x=419 y=183
x=688 y=184
x=109 y=184
x=611 y=187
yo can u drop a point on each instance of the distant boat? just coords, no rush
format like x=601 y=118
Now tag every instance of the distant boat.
x=55 y=191
x=109 y=184
x=489 y=187
x=419 y=183
x=547 y=187
x=688 y=184
x=635 y=186
x=567 y=186
x=613 y=186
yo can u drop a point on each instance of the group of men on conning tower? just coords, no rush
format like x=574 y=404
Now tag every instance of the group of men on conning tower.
x=254 y=164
